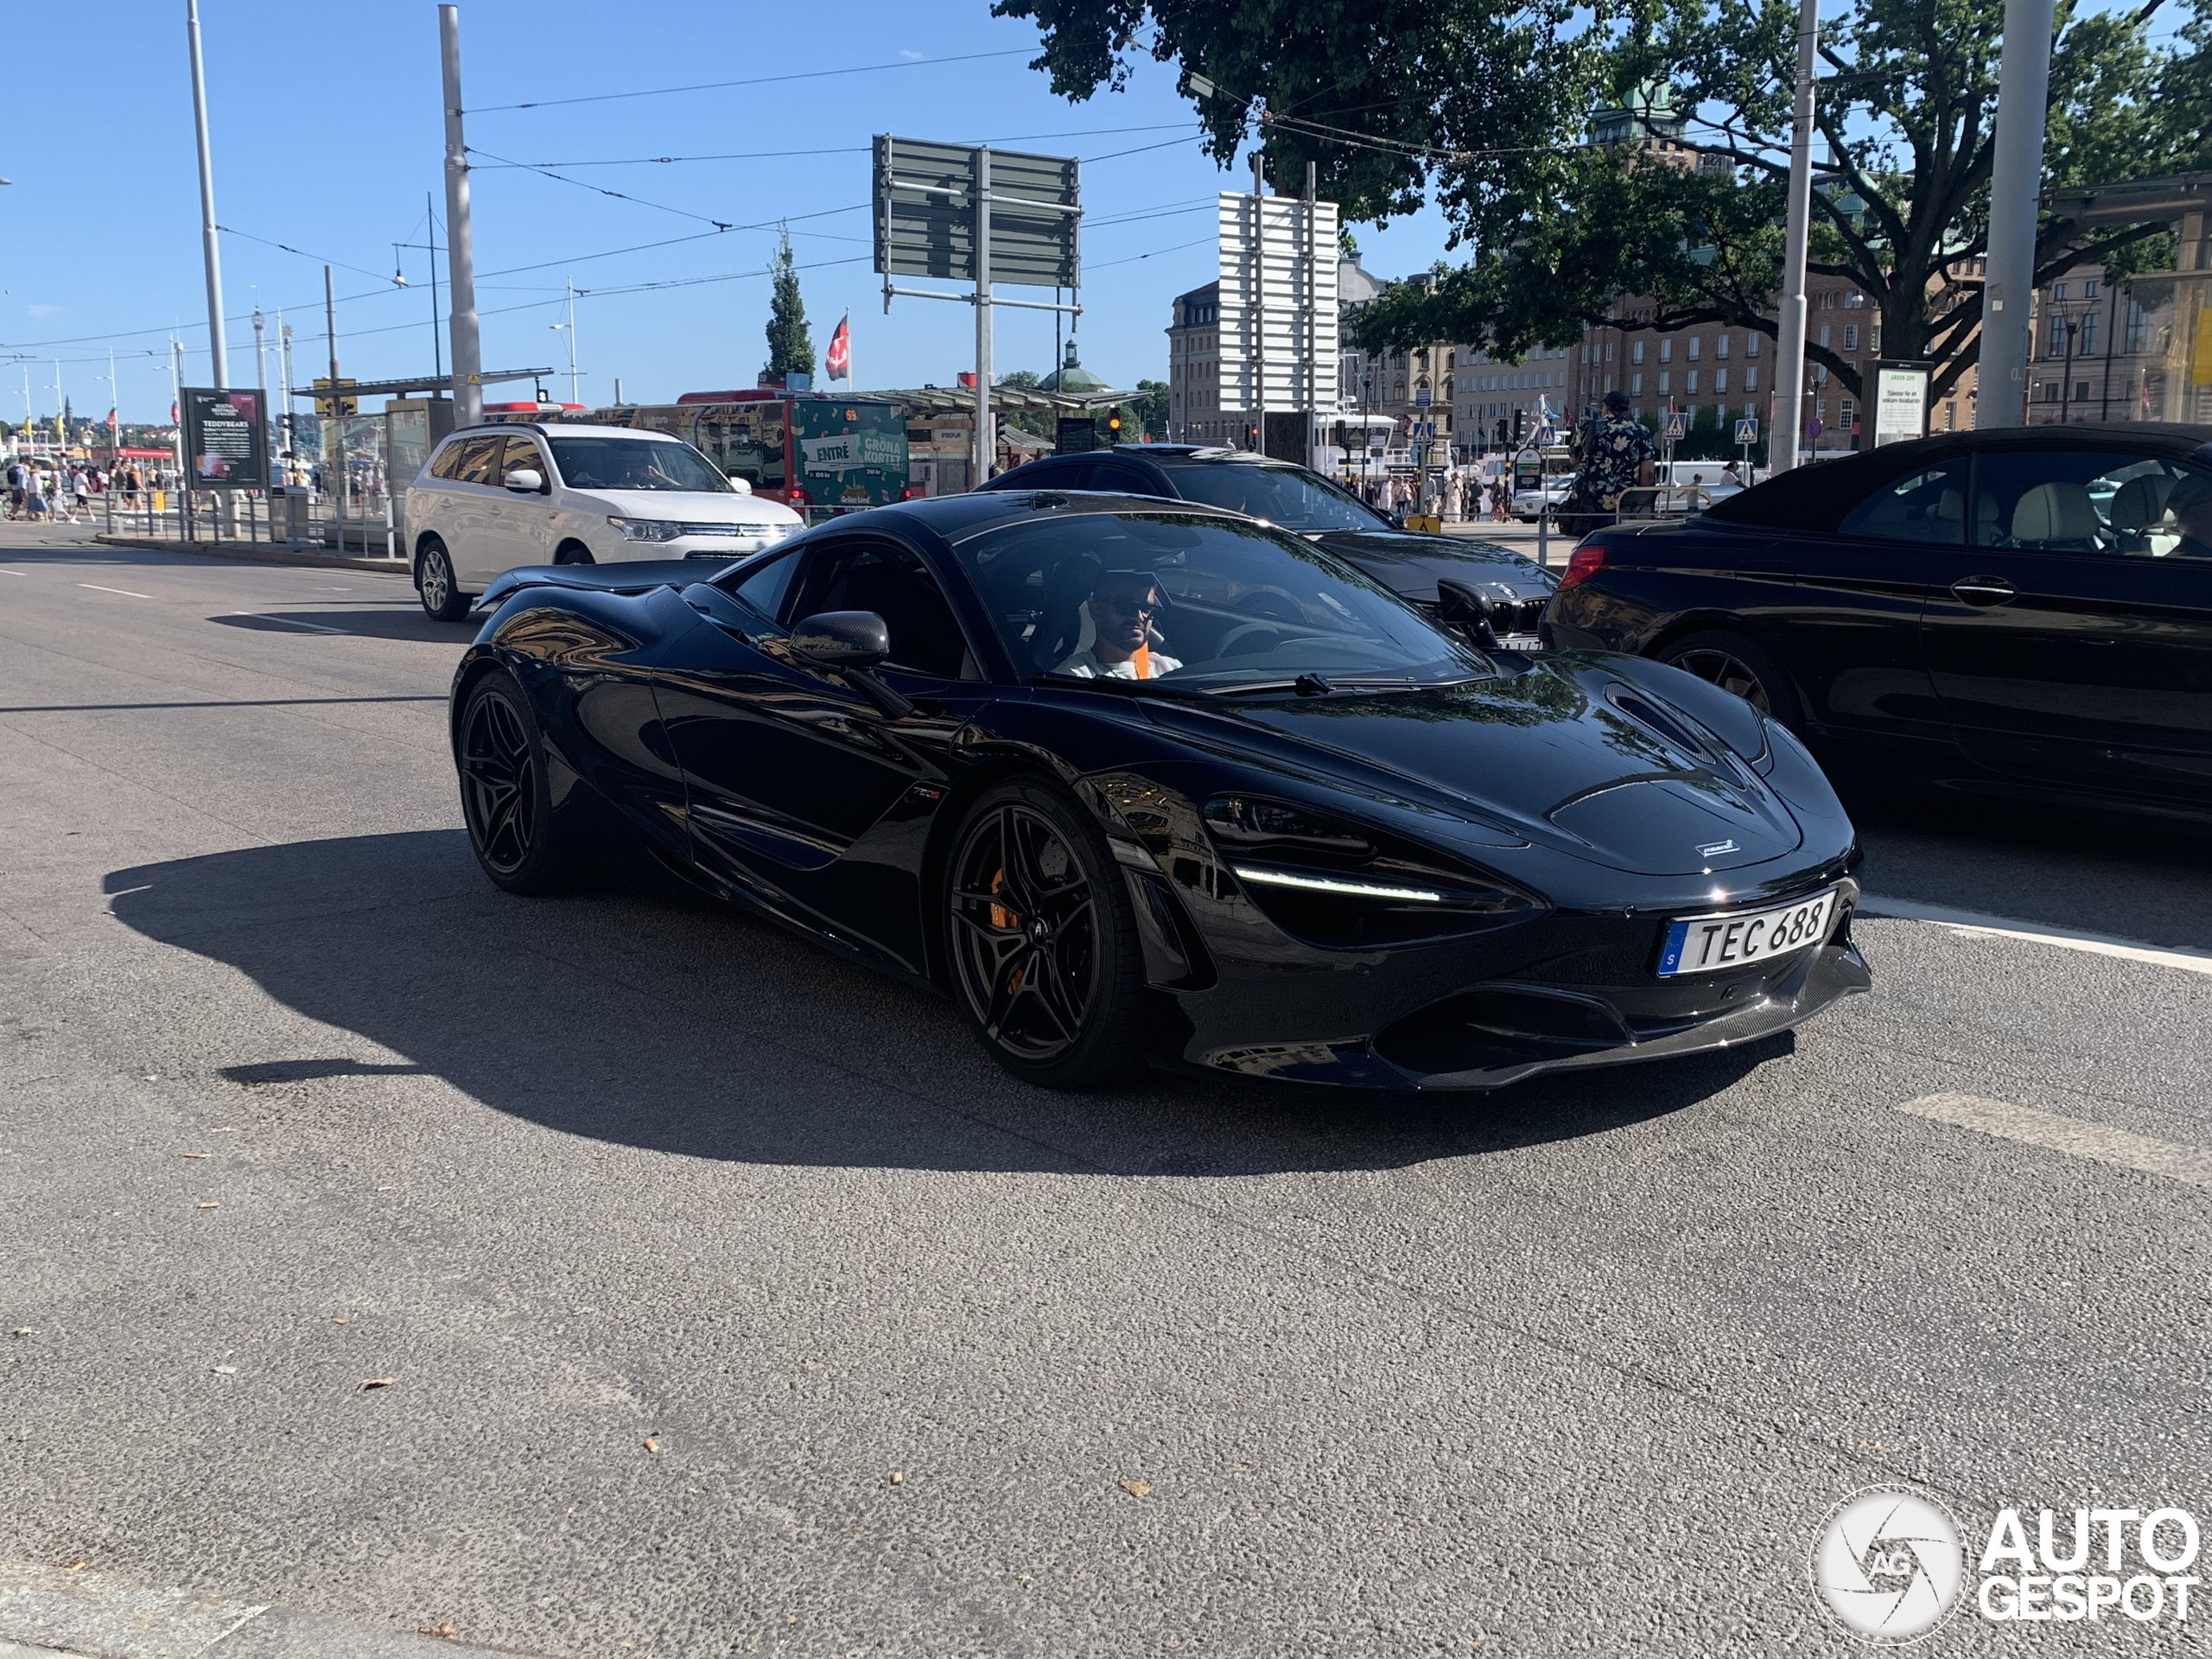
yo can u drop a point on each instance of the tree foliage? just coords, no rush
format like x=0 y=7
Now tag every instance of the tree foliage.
x=1149 y=410
x=791 y=348
x=1488 y=112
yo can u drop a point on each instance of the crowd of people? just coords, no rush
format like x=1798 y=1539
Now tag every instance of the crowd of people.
x=41 y=488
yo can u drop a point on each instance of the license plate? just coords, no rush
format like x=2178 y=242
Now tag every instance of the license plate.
x=1706 y=944
x=1519 y=642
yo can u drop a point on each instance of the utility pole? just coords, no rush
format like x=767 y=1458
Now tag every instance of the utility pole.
x=2015 y=182
x=1259 y=355
x=986 y=438
x=467 y=354
x=284 y=377
x=337 y=448
x=576 y=395
x=261 y=375
x=217 y=353
x=1788 y=423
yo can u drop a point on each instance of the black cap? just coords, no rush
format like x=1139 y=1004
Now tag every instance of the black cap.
x=1617 y=400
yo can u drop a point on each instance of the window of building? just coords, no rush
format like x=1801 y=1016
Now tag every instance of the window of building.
x=1636 y=350
x=1950 y=417
x=1636 y=385
x=1751 y=344
x=2138 y=327
x=1750 y=379
x=2080 y=391
x=1720 y=347
x=2058 y=291
x=1667 y=349
x=1852 y=300
x=1450 y=359
x=2091 y=288
x=1663 y=379
x=1608 y=358
x=1695 y=342
x=1824 y=336
x=1851 y=337
x=2087 y=346
x=1689 y=383
x=1820 y=375
x=1721 y=380
x=1874 y=337
x=1827 y=300
x=1843 y=415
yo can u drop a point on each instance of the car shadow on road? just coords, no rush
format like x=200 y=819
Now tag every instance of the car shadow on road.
x=394 y=621
x=645 y=1015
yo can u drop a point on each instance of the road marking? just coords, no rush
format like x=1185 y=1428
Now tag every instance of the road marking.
x=126 y=592
x=14 y=573
x=2007 y=927
x=286 y=622
x=2074 y=1137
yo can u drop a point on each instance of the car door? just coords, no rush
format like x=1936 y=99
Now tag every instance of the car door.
x=473 y=527
x=522 y=524
x=803 y=790
x=1847 y=628
x=2076 y=648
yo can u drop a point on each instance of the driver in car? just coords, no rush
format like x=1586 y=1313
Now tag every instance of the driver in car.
x=1121 y=606
x=2190 y=506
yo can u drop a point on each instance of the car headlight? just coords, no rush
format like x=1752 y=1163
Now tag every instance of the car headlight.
x=1332 y=883
x=645 y=530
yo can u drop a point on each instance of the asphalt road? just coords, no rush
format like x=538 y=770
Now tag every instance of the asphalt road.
x=731 y=1302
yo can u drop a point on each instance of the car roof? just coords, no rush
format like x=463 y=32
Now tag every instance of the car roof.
x=957 y=517
x=2169 y=437
x=563 y=429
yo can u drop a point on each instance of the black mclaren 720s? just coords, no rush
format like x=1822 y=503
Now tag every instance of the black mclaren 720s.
x=1138 y=780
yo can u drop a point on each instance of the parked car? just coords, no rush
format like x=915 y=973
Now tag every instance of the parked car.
x=492 y=498
x=2026 y=611
x=1132 y=779
x=1529 y=504
x=1408 y=563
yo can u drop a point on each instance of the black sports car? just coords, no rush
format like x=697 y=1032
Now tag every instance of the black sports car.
x=2026 y=613
x=1512 y=588
x=1134 y=779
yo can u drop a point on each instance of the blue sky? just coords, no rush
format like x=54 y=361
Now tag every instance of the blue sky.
x=100 y=231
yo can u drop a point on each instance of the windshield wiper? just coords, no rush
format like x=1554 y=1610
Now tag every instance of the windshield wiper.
x=1110 y=683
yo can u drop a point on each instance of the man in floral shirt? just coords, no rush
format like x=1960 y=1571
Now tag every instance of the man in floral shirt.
x=1614 y=454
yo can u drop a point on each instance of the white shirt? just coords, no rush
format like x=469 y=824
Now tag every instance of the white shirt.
x=1085 y=664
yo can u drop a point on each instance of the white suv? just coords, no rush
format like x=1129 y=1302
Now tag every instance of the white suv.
x=491 y=498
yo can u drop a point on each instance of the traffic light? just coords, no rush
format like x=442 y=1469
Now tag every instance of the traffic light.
x=1501 y=429
x=1113 y=427
x=1520 y=426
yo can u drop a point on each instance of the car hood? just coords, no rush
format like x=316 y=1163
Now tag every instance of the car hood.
x=1410 y=564
x=688 y=506
x=1565 y=754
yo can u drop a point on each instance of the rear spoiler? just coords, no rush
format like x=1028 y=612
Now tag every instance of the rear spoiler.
x=634 y=576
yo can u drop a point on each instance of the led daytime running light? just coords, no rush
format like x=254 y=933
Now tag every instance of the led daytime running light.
x=1335 y=883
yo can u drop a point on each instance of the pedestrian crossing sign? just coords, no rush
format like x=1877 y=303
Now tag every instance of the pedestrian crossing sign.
x=1674 y=428
x=1747 y=430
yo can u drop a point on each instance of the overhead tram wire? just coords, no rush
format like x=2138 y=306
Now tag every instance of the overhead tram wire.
x=318 y=258
x=757 y=80
x=840 y=149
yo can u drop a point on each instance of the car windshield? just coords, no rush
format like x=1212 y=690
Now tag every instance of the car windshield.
x=1288 y=496
x=1199 y=603
x=635 y=464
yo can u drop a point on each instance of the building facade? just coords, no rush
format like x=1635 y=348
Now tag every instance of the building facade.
x=2135 y=351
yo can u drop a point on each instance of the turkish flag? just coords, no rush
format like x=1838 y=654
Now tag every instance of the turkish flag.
x=838 y=364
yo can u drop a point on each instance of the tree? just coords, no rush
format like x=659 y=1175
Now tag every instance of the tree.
x=791 y=351
x=1148 y=408
x=1027 y=379
x=1398 y=102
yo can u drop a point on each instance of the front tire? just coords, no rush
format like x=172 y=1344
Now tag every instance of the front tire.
x=574 y=553
x=1739 y=665
x=1043 y=941
x=441 y=596
x=505 y=795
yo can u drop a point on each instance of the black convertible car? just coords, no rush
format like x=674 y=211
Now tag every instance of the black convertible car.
x=1513 y=588
x=1131 y=780
x=2026 y=613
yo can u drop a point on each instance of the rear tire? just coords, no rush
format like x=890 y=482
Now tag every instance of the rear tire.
x=505 y=795
x=1739 y=665
x=441 y=596
x=1043 y=940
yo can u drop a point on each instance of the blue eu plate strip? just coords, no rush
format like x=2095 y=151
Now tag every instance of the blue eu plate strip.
x=1670 y=959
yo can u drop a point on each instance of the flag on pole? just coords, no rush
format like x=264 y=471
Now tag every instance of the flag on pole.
x=111 y=419
x=837 y=365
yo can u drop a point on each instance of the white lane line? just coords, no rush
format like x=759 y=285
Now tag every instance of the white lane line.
x=286 y=622
x=2071 y=1136
x=126 y=592
x=14 y=573
x=2005 y=927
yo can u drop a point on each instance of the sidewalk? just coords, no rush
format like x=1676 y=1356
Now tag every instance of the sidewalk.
x=260 y=553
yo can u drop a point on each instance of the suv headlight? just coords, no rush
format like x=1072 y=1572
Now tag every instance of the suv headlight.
x=645 y=530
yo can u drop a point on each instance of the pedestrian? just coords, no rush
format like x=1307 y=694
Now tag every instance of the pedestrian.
x=81 y=487
x=1613 y=454
x=15 y=490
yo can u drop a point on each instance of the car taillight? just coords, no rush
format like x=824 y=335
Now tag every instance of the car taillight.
x=1585 y=562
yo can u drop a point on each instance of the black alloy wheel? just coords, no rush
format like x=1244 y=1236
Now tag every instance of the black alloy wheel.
x=1043 y=940
x=503 y=795
x=1738 y=665
x=441 y=595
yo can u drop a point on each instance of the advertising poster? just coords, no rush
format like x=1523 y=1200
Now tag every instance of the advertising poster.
x=226 y=439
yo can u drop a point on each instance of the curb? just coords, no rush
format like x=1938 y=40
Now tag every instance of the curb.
x=46 y=1611
x=261 y=553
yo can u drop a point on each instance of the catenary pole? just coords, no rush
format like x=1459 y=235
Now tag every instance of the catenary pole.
x=467 y=354
x=2015 y=181
x=986 y=440
x=1259 y=298
x=1788 y=423
x=218 y=356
